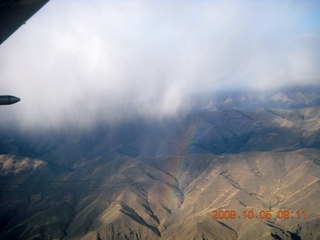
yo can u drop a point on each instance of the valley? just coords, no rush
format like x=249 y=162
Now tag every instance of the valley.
x=164 y=178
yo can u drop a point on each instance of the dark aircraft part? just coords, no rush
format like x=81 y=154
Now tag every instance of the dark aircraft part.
x=14 y=13
x=7 y=100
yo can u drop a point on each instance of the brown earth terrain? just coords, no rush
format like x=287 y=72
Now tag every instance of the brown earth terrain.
x=166 y=182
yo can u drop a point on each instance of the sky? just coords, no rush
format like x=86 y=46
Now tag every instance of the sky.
x=78 y=61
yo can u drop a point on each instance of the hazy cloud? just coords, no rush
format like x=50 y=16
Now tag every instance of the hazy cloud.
x=76 y=61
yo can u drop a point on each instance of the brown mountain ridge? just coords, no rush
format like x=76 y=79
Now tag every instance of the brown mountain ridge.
x=164 y=180
x=169 y=197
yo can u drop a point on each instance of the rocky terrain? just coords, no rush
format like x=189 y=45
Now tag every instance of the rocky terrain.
x=165 y=178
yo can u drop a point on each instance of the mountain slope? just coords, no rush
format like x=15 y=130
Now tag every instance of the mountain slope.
x=170 y=197
x=166 y=178
x=202 y=131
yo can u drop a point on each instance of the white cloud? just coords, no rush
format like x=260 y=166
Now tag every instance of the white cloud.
x=76 y=61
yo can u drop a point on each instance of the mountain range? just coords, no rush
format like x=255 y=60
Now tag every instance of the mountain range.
x=253 y=155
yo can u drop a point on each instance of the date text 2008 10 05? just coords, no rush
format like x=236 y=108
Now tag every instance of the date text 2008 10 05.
x=263 y=214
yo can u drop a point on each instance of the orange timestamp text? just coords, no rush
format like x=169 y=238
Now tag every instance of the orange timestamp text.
x=263 y=214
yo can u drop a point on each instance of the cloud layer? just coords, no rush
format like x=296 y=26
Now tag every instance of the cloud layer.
x=77 y=61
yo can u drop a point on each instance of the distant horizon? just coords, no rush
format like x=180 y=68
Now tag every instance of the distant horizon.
x=298 y=96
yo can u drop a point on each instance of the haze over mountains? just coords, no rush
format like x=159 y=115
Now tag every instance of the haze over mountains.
x=290 y=97
x=162 y=178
